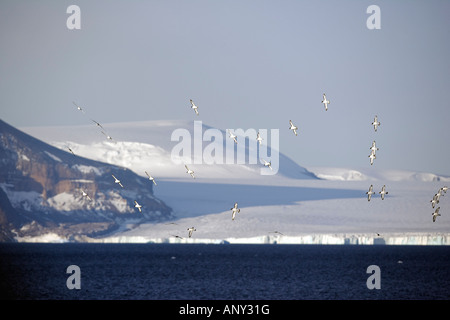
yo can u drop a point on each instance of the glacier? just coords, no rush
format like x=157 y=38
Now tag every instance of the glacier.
x=311 y=239
x=315 y=205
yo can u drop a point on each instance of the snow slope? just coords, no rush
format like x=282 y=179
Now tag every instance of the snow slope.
x=364 y=174
x=332 y=209
x=147 y=146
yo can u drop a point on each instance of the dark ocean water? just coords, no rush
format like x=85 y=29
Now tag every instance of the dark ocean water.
x=226 y=272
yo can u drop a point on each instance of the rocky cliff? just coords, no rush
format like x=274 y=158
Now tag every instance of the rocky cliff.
x=41 y=190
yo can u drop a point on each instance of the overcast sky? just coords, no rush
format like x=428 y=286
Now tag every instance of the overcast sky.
x=246 y=64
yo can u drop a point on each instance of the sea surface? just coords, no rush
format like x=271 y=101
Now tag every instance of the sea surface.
x=225 y=272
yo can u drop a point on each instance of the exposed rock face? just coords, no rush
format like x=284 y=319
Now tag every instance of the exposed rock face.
x=43 y=185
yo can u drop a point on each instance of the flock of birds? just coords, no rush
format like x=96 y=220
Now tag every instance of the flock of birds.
x=372 y=156
x=435 y=201
x=234 y=210
x=116 y=180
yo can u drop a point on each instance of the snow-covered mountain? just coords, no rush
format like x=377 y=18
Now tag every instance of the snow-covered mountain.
x=148 y=146
x=41 y=189
x=314 y=205
x=367 y=174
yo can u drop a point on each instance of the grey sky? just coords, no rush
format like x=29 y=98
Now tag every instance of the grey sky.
x=246 y=64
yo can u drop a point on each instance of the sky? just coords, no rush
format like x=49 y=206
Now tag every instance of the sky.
x=246 y=64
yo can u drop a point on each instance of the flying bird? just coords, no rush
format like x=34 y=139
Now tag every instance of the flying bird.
x=191 y=172
x=325 y=102
x=191 y=229
x=372 y=156
x=436 y=214
x=107 y=136
x=445 y=188
x=434 y=201
x=374 y=147
x=232 y=136
x=375 y=123
x=267 y=164
x=258 y=138
x=234 y=210
x=98 y=124
x=85 y=195
x=117 y=181
x=174 y=235
x=193 y=106
x=150 y=178
x=292 y=127
x=438 y=194
x=78 y=107
x=137 y=205
x=71 y=151
x=370 y=192
x=383 y=192
x=277 y=232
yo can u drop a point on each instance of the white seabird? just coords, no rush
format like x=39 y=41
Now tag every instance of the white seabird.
x=78 y=107
x=293 y=127
x=98 y=124
x=137 y=205
x=370 y=192
x=267 y=164
x=372 y=156
x=117 y=181
x=374 y=147
x=193 y=106
x=436 y=214
x=383 y=192
x=325 y=102
x=107 y=136
x=438 y=194
x=234 y=210
x=191 y=172
x=71 y=151
x=85 y=195
x=278 y=232
x=434 y=201
x=258 y=138
x=150 y=178
x=375 y=123
x=232 y=136
x=191 y=229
